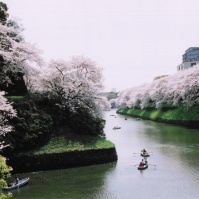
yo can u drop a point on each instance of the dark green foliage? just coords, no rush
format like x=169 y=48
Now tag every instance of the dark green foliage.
x=79 y=122
x=32 y=127
x=52 y=105
x=15 y=85
x=82 y=122
x=3 y=12
x=41 y=116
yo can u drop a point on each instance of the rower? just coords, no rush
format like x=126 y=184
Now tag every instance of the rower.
x=144 y=161
x=144 y=151
x=141 y=164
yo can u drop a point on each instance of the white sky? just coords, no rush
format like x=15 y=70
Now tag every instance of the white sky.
x=133 y=40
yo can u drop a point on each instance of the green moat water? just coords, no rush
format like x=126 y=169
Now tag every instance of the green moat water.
x=176 y=174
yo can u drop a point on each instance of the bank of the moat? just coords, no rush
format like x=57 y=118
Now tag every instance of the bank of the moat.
x=181 y=115
x=60 y=153
x=63 y=160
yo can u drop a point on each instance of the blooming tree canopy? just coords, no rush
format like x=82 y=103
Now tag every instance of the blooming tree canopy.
x=78 y=82
x=6 y=112
x=16 y=55
x=180 y=88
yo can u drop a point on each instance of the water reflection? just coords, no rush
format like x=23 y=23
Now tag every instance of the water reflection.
x=84 y=182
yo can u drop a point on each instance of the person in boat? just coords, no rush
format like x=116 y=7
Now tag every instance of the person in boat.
x=144 y=151
x=141 y=164
x=16 y=181
x=144 y=161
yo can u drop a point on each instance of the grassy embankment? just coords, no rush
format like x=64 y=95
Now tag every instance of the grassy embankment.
x=63 y=144
x=181 y=114
x=15 y=97
x=62 y=153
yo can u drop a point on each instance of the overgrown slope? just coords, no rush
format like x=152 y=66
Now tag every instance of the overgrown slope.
x=183 y=115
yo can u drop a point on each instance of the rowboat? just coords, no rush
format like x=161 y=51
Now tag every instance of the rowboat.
x=116 y=127
x=21 y=183
x=145 y=166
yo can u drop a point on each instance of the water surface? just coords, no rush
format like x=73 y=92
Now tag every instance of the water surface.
x=176 y=174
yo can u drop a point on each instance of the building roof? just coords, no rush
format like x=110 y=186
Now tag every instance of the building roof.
x=192 y=48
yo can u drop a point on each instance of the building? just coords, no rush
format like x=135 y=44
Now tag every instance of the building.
x=189 y=59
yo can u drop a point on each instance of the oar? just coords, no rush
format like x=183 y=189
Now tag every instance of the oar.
x=135 y=164
x=146 y=152
x=136 y=153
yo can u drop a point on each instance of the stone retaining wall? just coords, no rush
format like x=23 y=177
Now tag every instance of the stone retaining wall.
x=65 y=160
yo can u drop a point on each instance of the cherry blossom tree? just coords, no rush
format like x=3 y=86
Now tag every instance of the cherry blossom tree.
x=180 y=88
x=16 y=55
x=6 y=112
x=78 y=82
